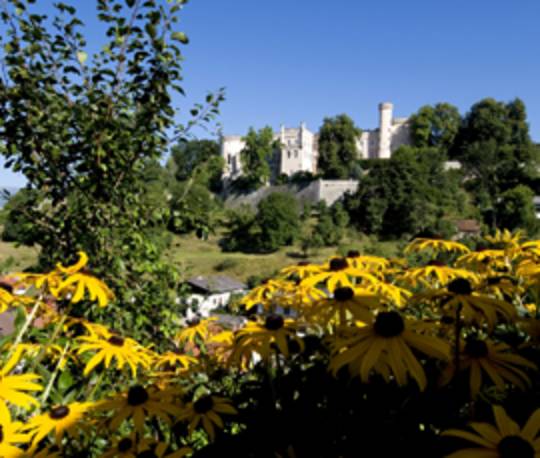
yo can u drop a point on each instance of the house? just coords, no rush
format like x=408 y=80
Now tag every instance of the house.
x=536 y=203
x=467 y=228
x=211 y=292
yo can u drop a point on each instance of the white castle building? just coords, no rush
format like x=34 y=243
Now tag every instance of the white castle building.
x=299 y=147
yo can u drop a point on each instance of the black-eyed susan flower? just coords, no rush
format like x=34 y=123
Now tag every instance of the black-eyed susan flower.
x=484 y=260
x=390 y=293
x=435 y=273
x=436 y=245
x=300 y=271
x=494 y=360
x=13 y=388
x=338 y=272
x=64 y=419
x=475 y=307
x=261 y=337
x=367 y=262
x=505 y=239
x=10 y=434
x=173 y=361
x=391 y=337
x=140 y=403
x=205 y=412
x=345 y=304
x=123 y=350
x=195 y=329
x=505 y=439
x=267 y=292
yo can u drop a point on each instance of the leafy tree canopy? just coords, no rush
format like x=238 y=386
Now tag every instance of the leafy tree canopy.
x=201 y=160
x=435 y=126
x=256 y=156
x=338 y=154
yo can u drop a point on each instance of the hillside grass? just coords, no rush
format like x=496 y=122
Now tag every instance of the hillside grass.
x=204 y=257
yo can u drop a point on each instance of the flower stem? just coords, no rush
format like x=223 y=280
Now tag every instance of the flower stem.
x=54 y=374
x=25 y=327
x=457 y=343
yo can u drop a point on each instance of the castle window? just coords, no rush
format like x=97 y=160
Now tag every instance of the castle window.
x=288 y=154
x=296 y=154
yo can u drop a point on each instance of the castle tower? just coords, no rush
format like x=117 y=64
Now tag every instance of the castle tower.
x=385 y=127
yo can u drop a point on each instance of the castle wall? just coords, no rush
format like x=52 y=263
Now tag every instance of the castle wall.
x=231 y=146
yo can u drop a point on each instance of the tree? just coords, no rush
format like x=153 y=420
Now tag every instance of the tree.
x=406 y=194
x=276 y=224
x=193 y=209
x=83 y=130
x=256 y=156
x=200 y=160
x=278 y=218
x=19 y=224
x=515 y=210
x=338 y=154
x=331 y=225
x=435 y=126
x=496 y=152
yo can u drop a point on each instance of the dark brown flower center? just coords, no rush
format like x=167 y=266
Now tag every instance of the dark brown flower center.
x=343 y=294
x=274 y=322
x=193 y=322
x=147 y=454
x=460 y=286
x=436 y=263
x=203 y=405
x=125 y=445
x=59 y=412
x=353 y=254
x=1 y=434
x=303 y=263
x=337 y=264
x=137 y=395
x=476 y=348
x=389 y=324
x=514 y=446
x=116 y=341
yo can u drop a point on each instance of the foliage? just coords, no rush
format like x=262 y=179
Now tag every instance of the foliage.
x=278 y=219
x=496 y=152
x=338 y=155
x=84 y=128
x=435 y=126
x=331 y=225
x=255 y=158
x=275 y=224
x=406 y=194
x=515 y=209
x=200 y=160
x=19 y=224
x=193 y=209
x=378 y=354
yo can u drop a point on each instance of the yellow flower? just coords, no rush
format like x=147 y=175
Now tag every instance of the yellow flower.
x=436 y=245
x=10 y=434
x=434 y=272
x=139 y=403
x=300 y=271
x=79 y=284
x=174 y=360
x=64 y=419
x=390 y=293
x=505 y=239
x=205 y=411
x=13 y=387
x=389 y=337
x=484 y=260
x=504 y=440
x=262 y=337
x=366 y=262
x=346 y=303
x=125 y=351
x=77 y=267
x=491 y=359
x=266 y=292
x=475 y=307
x=195 y=328
x=338 y=272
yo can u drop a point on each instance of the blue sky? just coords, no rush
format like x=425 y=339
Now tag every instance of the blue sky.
x=287 y=61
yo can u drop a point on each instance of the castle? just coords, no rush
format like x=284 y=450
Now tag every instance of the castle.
x=299 y=147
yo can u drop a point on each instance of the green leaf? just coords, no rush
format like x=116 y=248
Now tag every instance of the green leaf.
x=81 y=57
x=181 y=37
x=65 y=381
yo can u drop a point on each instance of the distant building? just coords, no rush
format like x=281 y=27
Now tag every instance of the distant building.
x=467 y=227
x=299 y=147
x=211 y=292
x=536 y=202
